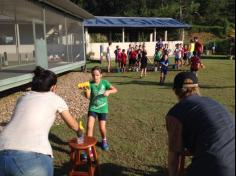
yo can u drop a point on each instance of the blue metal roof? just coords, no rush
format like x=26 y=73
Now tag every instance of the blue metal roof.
x=102 y=21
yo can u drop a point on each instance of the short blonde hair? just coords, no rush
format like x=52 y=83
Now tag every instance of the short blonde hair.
x=187 y=91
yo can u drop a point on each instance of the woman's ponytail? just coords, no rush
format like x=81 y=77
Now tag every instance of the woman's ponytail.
x=43 y=80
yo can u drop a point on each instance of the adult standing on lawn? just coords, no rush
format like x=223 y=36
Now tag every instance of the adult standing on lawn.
x=203 y=127
x=24 y=146
x=198 y=47
x=108 y=56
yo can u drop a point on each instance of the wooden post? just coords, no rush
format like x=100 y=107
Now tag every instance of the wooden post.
x=155 y=35
x=166 y=35
x=183 y=33
x=123 y=35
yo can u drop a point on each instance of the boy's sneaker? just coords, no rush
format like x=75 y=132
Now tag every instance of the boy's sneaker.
x=105 y=145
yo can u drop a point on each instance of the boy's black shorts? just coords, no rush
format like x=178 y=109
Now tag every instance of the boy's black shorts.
x=100 y=116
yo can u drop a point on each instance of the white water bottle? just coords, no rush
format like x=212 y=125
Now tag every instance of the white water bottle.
x=80 y=134
x=80 y=139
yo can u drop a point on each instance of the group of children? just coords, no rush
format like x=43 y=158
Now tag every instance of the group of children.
x=137 y=59
x=134 y=55
x=183 y=54
x=189 y=54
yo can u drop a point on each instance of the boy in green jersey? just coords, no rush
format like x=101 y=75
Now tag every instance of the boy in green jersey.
x=157 y=58
x=98 y=92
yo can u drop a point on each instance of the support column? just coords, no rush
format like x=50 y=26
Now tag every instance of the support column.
x=67 y=41
x=155 y=35
x=110 y=36
x=87 y=41
x=87 y=38
x=123 y=35
x=17 y=34
x=183 y=35
x=166 y=36
x=151 y=37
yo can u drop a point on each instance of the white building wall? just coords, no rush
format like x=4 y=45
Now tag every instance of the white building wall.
x=150 y=47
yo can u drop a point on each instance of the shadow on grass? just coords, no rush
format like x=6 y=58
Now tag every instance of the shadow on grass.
x=139 y=82
x=58 y=144
x=110 y=169
x=57 y=140
x=143 y=82
x=117 y=76
x=215 y=87
x=62 y=170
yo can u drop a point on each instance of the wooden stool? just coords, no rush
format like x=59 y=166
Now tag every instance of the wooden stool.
x=91 y=163
x=182 y=162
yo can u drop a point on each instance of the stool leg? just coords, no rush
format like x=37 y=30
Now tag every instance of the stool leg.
x=97 y=168
x=90 y=164
x=72 y=154
x=182 y=165
x=72 y=160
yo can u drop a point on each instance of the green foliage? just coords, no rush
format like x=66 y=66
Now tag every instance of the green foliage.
x=210 y=12
x=98 y=37
x=217 y=30
x=222 y=46
x=213 y=16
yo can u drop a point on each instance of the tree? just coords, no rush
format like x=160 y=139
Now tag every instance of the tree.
x=205 y=12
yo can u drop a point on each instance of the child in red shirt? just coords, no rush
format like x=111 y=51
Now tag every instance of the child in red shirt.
x=123 y=60
x=195 y=63
x=133 y=58
x=185 y=57
x=119 y=59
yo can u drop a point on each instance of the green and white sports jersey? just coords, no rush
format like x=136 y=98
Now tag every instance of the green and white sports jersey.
x=99 y=102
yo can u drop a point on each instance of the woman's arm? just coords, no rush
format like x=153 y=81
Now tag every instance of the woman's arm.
x=112 y=90
x=174 y=129
x=70 y=120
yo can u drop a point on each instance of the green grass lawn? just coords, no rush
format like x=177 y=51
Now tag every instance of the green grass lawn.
x=136 y=124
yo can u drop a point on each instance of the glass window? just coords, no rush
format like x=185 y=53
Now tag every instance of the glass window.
x=27 y=13
x=7 y=33
x=56 y=37
x=75 y=40
x=8 y=54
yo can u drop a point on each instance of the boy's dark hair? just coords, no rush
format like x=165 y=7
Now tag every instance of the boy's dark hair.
x=165 y=54
x=123 y=50
x=144 y=53
x=194 y=53
x=97 y=68
x=43 y=80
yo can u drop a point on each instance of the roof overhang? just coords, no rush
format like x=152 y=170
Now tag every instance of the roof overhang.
x=141 y=22
x=68 y=7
